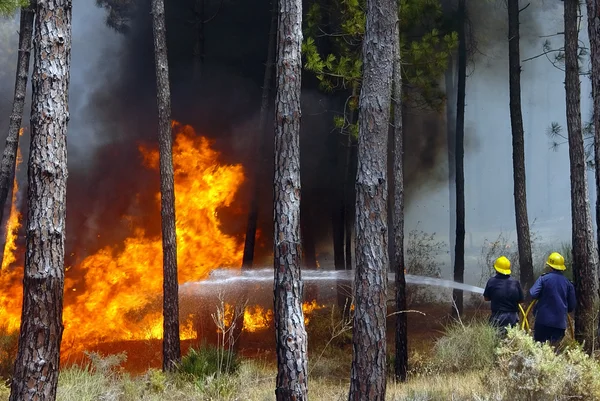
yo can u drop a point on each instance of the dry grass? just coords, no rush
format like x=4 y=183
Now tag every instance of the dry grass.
x=254 y=381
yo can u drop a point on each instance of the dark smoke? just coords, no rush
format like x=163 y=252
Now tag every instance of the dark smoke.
x=107 y=181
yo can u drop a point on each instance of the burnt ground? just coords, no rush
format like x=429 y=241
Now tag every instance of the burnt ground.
x=424 y=328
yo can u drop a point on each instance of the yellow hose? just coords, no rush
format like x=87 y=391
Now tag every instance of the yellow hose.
x=525 y=322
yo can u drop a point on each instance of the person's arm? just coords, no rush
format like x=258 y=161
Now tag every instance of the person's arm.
x=521 y=294
x=536 y=290
x=571 y=300
x=486 y=292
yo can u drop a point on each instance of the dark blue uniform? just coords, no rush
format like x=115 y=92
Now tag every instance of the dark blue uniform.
x=555 y=296
x=505 y=293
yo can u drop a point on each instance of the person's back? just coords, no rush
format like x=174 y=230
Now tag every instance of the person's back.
x=555 y=297
x=505 y=294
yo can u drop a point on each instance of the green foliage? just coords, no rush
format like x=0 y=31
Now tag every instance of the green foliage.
x=537 y=372
x=464 y=348
x=208 y=361
x=9 y=7
x=558 y=137
x=9 y=342
x=425 y=50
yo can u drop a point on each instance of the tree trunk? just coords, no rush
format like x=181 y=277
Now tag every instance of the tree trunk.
x=368 y=376
x=171 y=343
x=38 y=358
x=199 y=45
x=250 y=241
x=459 y=154
x=518 y=144
x=401 y=356
x=349 y=195
x=585 y=257
x=593 y=14
x=450 y=81
x=9 y=156
x=290 y=333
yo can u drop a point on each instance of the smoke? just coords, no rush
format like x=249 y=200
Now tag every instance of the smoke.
x=113 y=110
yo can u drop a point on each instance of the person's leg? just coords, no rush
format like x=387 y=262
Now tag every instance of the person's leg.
x=541 y=333
x=556 y=335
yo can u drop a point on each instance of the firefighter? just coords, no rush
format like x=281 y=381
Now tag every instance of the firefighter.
x=555 y=297
x=505 y=294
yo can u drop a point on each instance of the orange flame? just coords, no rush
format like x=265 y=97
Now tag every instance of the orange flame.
x=13 y=223
x=120 y=297
x=257 y=318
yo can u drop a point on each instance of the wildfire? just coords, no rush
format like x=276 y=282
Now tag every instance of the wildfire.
x=257 y=318
x=13 y=224
x=119 y=288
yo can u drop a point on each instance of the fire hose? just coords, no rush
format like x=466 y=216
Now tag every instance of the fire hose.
x=525 y=322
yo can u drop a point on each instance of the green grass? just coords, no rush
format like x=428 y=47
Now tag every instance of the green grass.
x=468 y=363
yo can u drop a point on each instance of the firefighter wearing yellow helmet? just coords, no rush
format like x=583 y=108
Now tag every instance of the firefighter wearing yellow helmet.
x=505 y=294
x=555 y=297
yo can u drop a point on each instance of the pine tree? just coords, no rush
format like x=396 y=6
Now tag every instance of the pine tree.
x=585 y=248
x=9 y=156
x=38 y=357
x=290 y=333
x=518 y=145
x=171 y=342
x=368 y=375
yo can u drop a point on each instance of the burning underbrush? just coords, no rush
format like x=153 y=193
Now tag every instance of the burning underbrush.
x=115 y=295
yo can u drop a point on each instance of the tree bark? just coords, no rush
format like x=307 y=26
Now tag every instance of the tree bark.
x=368 y=375
x=450 y=81
x=349 y=196
x=593 y=14
x=401 y=356
x=171 y=342
x=585 y=251
x=459 y=154
x=290 y=333
x=518 y=144
x=38 y=358
x=250 y=240
x=9 y=156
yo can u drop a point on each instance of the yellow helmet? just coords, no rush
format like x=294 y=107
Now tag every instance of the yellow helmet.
x=556 y=261
x=502 y=265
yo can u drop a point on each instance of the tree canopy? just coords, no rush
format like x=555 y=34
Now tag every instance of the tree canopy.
x=333 y=42
x=8 y=7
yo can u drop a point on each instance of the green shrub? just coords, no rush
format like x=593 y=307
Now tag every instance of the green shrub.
x=536 y=372
x=466 y=347
x=209 y=360
x=9 y=342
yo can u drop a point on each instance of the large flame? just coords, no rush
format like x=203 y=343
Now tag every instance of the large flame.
x=13 y=223
x=120 y=295
x=117 y=292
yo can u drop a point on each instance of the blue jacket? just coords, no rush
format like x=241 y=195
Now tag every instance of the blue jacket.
x=556 y=297
x=505 y=294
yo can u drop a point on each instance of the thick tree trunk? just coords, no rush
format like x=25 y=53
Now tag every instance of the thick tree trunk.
x=518 y=144
x=38 y=358
x=368 y=376
x=9 y=156
x=401 y=356
x=593 y=14
x=459 y=154
x=250 y=241
x=290 y=333
x=585 y=251
x=171 y=343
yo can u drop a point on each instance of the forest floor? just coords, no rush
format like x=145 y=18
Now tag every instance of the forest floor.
x=449 y=360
